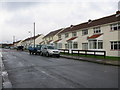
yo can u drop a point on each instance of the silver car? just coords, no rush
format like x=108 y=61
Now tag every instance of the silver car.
x=49 y=50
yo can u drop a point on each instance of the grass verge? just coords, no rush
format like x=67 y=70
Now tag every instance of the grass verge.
x=92 y=56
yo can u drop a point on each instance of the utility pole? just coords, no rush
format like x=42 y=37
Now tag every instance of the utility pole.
x=119 y=6
x=13 y=39
x=34 y=34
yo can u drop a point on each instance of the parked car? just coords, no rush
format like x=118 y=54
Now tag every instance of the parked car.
x=36 y=50
x=49 y=50
x=20 y=48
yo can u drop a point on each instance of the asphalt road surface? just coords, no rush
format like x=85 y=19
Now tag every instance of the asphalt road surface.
x=0 y=71
x=34 y=71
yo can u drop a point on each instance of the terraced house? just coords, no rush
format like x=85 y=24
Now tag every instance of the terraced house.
x=52 y=38
x=30 y=41
x=99 y=34
x=17 y=43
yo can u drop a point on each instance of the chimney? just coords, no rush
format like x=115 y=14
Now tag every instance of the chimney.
x=71 y=26
x=117 y=13
x=89 y=21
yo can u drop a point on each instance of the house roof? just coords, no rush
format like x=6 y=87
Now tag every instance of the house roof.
x=32 y=38
x=71 y=39
x=91 y=23
x=49 y=41
x=41 y=42
x=52 y=33
x=57 y=40
x=16 y=42
x=94 y=36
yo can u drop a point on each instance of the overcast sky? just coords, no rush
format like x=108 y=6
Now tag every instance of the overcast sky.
x=17 y=18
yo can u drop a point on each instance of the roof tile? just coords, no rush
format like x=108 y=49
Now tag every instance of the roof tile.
x=104 y=20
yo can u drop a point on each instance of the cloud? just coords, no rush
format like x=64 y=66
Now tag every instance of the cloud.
x=17 y=18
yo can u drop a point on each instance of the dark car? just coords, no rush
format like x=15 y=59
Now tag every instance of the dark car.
x=35 y=50
x=20 y=48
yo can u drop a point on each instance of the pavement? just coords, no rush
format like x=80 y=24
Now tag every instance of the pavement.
x=4 y=80
x=34 y=71
x=94 y=60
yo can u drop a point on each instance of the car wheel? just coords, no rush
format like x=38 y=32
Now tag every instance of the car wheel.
x=41 y=54
x=30 y=52
x=58 y=56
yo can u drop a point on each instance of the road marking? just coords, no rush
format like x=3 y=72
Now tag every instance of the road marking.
x=47 y=74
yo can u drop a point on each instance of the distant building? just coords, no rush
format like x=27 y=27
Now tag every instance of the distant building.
x=5 y=45
x=17 y=43
x=30 y=41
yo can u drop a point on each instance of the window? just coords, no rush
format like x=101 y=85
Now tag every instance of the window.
x=66 y=35
x=100 y=44
x=84 y=46
x=66 y=46
x=85 y=32
x=115 y=27
x=70 y=45
x=115 y=45
x=75 y=45
x=95 y=44
x=59 y=36
x=59 y=45
x=97 y=30
x=50 y=47
x=74 y=34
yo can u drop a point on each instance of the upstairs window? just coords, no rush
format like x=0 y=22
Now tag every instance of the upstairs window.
x=66 y=35
x=115 y=27
x=59 y=36
x=85 y=32
x=74 y=34
x=97 y=30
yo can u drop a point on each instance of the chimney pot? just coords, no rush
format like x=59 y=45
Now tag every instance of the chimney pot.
x=71 y=26
x=117 y=12
x=89 y=21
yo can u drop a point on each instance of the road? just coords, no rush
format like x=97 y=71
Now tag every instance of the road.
x=0 y=70
x=34 y=71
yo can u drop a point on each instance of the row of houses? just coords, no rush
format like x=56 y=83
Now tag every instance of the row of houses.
x=99 y=34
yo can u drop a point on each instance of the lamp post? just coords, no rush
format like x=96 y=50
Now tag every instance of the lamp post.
x=30 y=33
x=13 y=39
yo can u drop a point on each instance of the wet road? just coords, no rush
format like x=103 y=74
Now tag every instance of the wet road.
x=0 y=71
x=32 y=71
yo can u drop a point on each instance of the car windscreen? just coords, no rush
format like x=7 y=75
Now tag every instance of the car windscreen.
x=39 y=46
x=50 y=47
